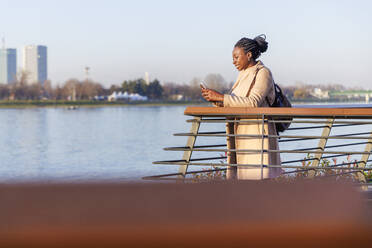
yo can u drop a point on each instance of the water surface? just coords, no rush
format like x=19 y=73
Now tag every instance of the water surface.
x=87 y=143
x=105 y=143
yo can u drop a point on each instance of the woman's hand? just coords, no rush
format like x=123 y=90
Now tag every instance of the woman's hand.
x=212 y=95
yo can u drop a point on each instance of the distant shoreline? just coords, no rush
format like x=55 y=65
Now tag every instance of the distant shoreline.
x=89 y=103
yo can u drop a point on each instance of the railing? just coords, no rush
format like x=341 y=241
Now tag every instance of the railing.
x=345 y=133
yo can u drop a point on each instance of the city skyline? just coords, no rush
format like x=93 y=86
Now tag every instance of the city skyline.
x=315 y=42
x=34 y=64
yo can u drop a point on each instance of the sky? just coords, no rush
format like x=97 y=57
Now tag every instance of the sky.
x=315 y=42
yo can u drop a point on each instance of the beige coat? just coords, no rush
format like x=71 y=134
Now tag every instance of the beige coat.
x=261 y=92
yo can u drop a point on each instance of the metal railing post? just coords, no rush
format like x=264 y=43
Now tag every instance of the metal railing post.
x=321 y=146
x=190 y=143
x=363 y=161
x=325 y=119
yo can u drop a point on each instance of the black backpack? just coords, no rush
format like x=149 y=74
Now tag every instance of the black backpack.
x=281 y=101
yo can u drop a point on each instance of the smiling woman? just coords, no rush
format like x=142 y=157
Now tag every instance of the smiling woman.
x=253 y=88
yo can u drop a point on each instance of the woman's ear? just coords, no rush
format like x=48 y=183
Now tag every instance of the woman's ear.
x=249 y=56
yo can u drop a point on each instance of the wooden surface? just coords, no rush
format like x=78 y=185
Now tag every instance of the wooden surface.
x=216 y=214
x=252 y=112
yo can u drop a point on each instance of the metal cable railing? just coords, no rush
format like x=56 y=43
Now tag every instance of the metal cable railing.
x=338 y=126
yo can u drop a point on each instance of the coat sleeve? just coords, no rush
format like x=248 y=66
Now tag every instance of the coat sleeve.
x=261 y=89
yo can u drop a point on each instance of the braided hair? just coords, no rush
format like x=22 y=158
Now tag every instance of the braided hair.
x=256 y=46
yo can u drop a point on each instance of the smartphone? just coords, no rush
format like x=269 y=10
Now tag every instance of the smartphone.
x=203 y=86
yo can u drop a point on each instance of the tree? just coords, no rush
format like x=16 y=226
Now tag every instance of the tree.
x=48 y=91
x=114 y=88
x=140 y=87
x=216 y=82
x=135 y=86
x=288 y=90
x=4 y=91
x=169 y=89
x=58 y=93
x=34 y=91
x=194 y=90
x=125 y=86
x=154 y=90
x=89 y=89
x=71 y=89
x=84 y=90
x=300 y=94
x=100 y=89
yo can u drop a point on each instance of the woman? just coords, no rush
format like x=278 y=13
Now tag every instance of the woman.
x=253 y=88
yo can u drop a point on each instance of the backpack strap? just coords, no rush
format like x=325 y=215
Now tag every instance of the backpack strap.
x=253 y=81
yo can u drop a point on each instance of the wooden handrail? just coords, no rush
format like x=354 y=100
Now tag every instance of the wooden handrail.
x=320 y=112
x=328 y=115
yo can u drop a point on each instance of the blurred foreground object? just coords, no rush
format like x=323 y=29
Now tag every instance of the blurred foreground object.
x=216 y=214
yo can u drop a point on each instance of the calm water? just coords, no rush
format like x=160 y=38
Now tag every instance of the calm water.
x=87 y=143
x=110 y=143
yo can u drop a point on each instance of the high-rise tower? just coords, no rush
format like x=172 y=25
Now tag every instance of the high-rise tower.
x=8 y=65
x=35 y=63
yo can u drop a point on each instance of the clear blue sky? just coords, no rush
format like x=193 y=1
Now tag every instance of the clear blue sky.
x=310 y=41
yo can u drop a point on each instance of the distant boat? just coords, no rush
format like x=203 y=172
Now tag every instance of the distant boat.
x=74 y=107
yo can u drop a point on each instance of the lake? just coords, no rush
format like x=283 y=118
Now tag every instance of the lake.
x=94 y=144
x=105 y=143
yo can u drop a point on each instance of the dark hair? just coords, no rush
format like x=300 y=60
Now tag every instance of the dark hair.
x=256 y=46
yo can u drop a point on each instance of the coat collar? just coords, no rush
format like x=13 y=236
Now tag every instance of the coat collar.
x=248 y=72
x=258 y=65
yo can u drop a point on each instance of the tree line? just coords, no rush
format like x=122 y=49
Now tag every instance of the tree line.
x=88 y=89
x=154 y=90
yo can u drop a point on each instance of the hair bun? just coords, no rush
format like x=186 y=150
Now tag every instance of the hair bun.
x=262 y=43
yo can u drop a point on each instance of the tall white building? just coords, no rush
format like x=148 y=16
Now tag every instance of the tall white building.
x=147 y=78
x=35 y=63
x=8 y=65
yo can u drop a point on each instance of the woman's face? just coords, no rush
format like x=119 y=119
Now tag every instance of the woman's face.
x=241 y=59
